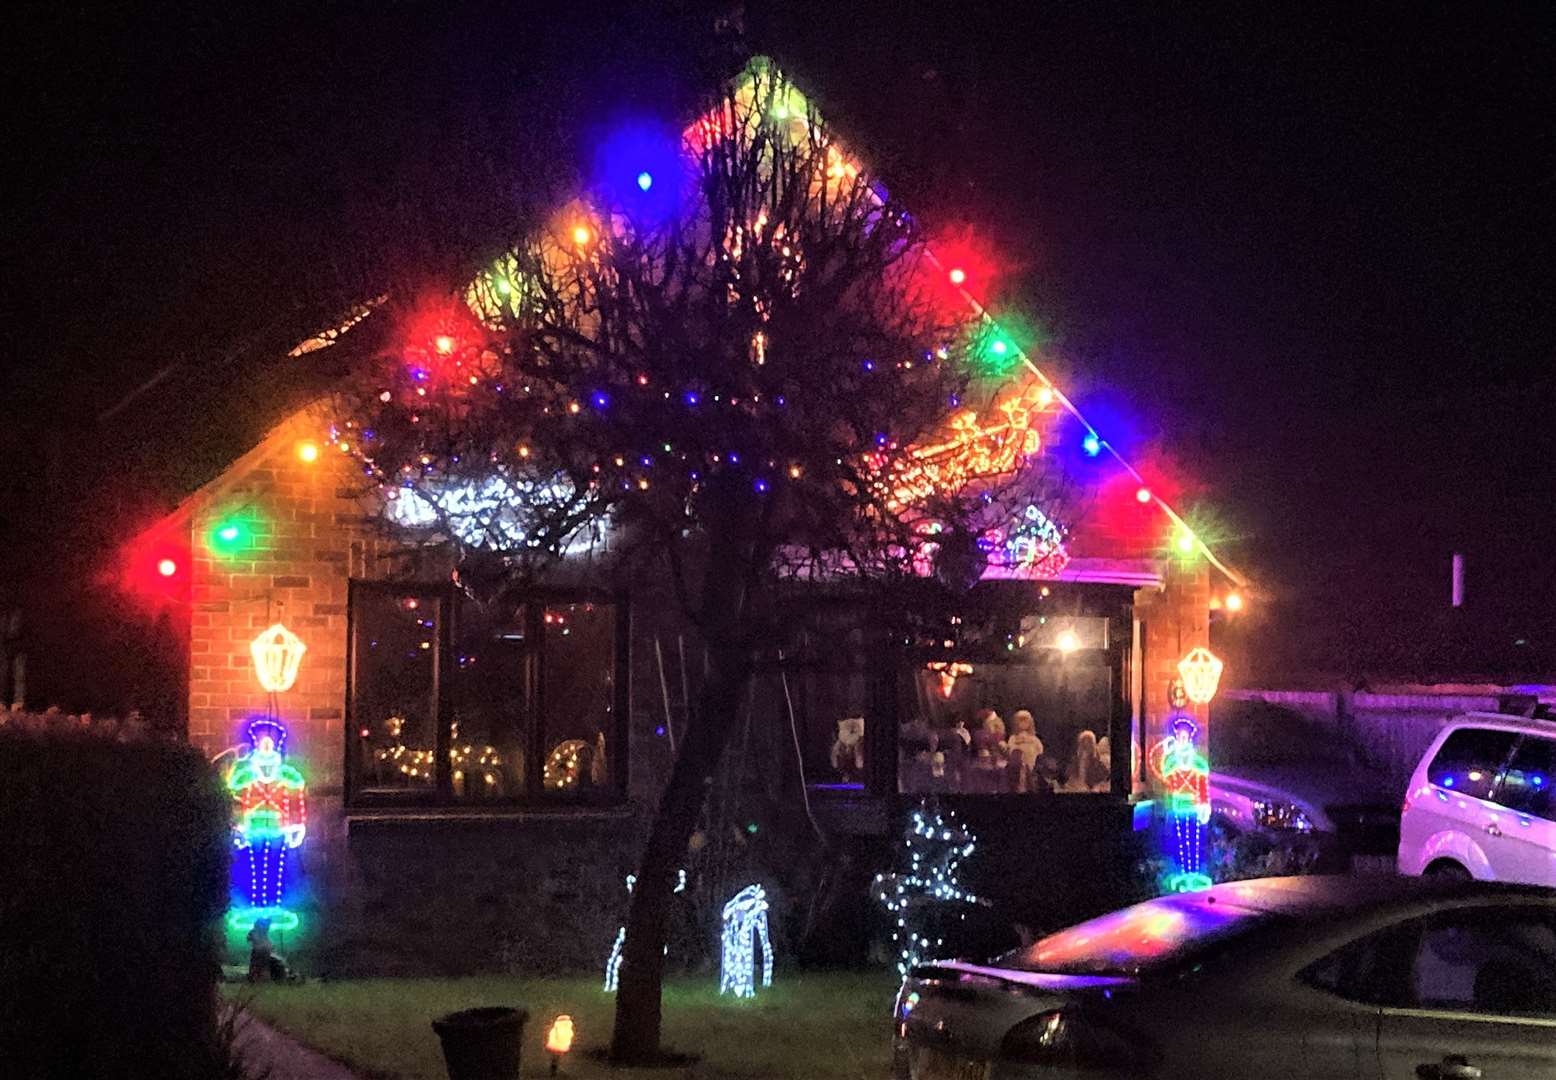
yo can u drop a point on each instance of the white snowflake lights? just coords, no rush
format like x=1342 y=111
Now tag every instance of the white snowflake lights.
x=745 y=923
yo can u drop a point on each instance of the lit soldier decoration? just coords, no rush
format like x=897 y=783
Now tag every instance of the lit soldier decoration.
x=271 y=803
x=1185 y=774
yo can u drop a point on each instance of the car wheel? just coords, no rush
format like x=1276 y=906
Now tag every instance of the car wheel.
x=1447 y=870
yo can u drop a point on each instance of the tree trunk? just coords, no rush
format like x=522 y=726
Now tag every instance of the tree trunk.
x=725 y=603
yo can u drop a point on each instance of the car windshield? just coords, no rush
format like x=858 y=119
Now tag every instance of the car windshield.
x=1136 y=940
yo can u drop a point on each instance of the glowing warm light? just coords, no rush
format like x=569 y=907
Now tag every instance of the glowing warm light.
x=1234 y=601
x=444 y=344
x=582 y=234
x=559 y=1037
x=949 y=672
x=167 y=567
x=958 y=276
x=1143 y=495
x=1201 y=671
x=1067 y=641
x=308 y=452
x=277 y=655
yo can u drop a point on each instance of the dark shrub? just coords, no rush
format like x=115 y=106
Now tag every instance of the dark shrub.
x=113 y=880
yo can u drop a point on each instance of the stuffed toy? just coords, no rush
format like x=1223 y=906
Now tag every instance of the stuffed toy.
x=848 y=747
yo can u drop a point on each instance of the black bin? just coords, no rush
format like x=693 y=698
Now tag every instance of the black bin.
x=482 y=1044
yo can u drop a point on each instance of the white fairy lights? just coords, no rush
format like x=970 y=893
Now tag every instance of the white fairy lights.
x=745 y=924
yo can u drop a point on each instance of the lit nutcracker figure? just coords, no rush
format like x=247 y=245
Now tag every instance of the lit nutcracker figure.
x=1185 y=776
x=271 y=805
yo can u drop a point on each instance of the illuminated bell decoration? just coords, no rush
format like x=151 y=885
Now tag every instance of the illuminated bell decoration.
x=1201 y=671
x=277 y=655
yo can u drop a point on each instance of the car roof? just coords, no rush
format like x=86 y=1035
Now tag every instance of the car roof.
x=1319 y=896
x=1503 y=722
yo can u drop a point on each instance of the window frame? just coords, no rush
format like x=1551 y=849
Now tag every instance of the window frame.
x=444 y=674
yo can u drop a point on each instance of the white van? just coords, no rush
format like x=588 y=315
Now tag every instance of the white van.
x=1482 y=802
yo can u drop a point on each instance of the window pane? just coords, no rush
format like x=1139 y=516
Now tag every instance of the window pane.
x=1494 y=961
x=578 y=686
x=393 y=704
x=1531 y=776
x=829 y=710
x=1469 y=760
x=486 y=744
x=1039 y=726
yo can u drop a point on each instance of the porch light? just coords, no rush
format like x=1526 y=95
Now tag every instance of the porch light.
x=1201 y=671
x=1067 y=641
x=277 y=655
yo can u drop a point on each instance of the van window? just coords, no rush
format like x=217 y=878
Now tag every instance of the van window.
x=1531 y=776
x=1469 y=760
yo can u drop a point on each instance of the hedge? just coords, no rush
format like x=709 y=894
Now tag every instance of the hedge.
x=114 y=853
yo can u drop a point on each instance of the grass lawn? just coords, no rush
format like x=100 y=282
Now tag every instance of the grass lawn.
x=817 y=1027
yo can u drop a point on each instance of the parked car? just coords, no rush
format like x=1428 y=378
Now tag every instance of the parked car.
x=1482 y=802
x=1281 y=779
x=1375 y=976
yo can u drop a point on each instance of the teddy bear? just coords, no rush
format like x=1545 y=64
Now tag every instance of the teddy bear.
x=848 y=748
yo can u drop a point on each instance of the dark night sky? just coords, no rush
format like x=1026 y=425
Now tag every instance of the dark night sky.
x=1310 y=252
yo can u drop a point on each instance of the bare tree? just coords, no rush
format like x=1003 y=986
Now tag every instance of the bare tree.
x=737 y=354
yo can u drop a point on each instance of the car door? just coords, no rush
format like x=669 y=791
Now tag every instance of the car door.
x=1527 y=788
x=1453 y=818
x=1473 y=997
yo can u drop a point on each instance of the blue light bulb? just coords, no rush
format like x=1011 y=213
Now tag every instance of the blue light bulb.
x=1092 y=445
x=645 y=180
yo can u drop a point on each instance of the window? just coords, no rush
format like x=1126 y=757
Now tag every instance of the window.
x=1469 y=760
x=457 y=703
x=1527 y=785
x=1037 y=725
x=1497 y=961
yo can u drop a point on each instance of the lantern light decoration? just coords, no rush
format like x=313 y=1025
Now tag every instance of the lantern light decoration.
x=277 y=655
x=745 y=924
x=1201 y=672
x=559 y=1039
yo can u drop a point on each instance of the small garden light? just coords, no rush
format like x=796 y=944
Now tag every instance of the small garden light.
x=559 y=1040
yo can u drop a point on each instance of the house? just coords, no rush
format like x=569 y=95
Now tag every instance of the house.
x=430 y=784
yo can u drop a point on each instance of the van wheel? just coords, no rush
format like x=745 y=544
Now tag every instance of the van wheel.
x=1447 y=870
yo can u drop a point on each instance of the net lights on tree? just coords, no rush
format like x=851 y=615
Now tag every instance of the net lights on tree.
x=926 y=890
x=278 y=654
x=1201 y=673
x=745 y=927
